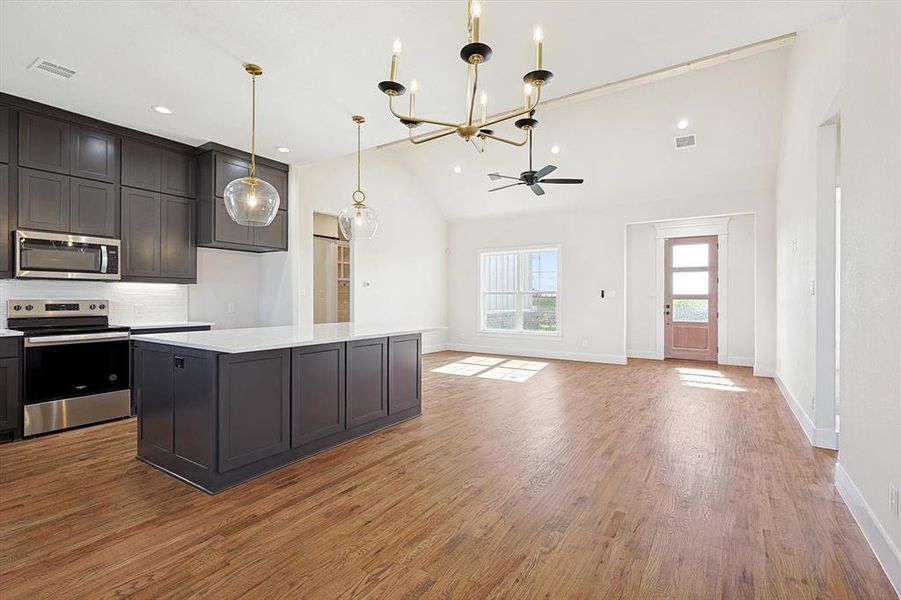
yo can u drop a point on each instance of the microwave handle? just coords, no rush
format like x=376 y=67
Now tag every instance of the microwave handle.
x=104 y=259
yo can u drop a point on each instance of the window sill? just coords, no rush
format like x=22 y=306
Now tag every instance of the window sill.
x=518 y=334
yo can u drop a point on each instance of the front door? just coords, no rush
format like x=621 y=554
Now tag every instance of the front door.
x=690 y=308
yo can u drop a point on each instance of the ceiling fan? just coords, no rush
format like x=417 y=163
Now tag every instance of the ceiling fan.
x=531 y=178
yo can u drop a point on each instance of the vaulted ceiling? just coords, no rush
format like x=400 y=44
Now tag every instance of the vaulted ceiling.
x=322 y=60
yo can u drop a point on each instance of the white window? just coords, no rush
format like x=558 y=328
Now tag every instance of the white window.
x=521 y=291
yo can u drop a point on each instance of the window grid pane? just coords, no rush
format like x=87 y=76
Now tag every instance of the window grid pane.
x=520 y=291
x=691 y=311
x=691 y=255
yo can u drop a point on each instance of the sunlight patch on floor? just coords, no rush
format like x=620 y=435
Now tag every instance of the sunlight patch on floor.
x=708 y=379
x=514 y=370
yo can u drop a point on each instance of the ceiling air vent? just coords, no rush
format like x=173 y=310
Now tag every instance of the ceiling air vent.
x=685 y=141
x=51 y=68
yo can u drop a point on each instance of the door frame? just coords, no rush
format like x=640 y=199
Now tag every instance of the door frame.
x=710 y=226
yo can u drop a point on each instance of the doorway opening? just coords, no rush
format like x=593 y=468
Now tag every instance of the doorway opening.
x=691 y=299
x=331 y=271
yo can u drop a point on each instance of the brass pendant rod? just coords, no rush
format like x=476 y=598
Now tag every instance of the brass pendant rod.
x=475 y=89
x=253 y=127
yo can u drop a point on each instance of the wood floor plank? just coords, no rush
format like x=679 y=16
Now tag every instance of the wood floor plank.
x=652 y=480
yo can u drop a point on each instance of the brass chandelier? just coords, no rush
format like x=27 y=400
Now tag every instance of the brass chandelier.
x=474 y=53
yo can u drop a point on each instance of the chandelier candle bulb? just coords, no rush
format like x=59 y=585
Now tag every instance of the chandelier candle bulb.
x=538 y=36
x=395 y=50
x=484 y=103
x=414 y=87
x=476 y=12
x=527 y=91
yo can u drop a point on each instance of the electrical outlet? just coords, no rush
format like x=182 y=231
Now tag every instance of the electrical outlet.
x=231 y=308
x=584 y=343
x=893 y=499
x=139 y=310
x=813 y=287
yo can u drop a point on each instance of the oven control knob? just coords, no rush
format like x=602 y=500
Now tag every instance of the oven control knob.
x=17 y=307
x=93 y=306
x=28 y=307
x=102 y=306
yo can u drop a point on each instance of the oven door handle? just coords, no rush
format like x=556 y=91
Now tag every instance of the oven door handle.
x=80 y=338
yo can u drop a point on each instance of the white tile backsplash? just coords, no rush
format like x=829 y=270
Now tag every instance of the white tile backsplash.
x=129 y=302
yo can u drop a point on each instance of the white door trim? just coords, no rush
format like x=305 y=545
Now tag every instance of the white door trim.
x=718 y=226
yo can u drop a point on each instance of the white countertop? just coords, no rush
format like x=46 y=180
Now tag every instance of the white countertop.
x=10 y=333
x=254 y=339
x=165 y=325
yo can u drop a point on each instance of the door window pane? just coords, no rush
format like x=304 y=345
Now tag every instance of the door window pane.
x=500 y=311
x=691 y=311
x=691 y=283
x=690 y=255
x=539 y=312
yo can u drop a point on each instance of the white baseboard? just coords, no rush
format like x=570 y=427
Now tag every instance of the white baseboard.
x=561 y=355
x=886 y=552
x=648 y=354
x=434 y=348
x=800 y=415
x=738 y=361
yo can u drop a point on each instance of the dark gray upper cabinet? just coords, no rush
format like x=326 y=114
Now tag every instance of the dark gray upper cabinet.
x=4 y=134
x=94 y=155
x=141 y=165
x=317 y=392
x=254 y=407
x=94 y=208
x=279 y=180
x=229 y=168
x=5 y=270
x=141 y=233
x=44 y=143
x=179 y=177
x=273 y=236
x=177 y=245
x=226 y=230
x=367 y=375
x=404 y=377
x=43 y=200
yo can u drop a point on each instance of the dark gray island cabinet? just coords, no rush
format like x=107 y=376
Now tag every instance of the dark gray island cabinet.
x=215 y=418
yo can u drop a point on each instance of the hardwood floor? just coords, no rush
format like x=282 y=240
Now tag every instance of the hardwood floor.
x=586 y=481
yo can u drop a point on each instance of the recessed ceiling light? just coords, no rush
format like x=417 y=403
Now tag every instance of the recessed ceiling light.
x=555 y=149
x=282 y=149
x=163 y=110
x=458 y=169
x=682 y=124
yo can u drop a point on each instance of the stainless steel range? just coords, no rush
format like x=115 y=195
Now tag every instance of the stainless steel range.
x=76 y=363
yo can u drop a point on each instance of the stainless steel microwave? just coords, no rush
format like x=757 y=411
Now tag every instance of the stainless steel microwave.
x=43 y=255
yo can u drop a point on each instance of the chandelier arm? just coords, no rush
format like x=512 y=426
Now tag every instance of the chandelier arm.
x=429 y=137
x=518 y=113
x=505 y=140
x=413 y=119
x=475 y=88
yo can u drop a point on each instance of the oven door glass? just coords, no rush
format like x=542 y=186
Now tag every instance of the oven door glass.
x=60 y=371
x=60 y=256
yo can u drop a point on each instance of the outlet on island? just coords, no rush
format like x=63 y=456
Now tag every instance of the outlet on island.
x=230 y=308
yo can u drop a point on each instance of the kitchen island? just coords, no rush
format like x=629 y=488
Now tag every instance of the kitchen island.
x=217 y=408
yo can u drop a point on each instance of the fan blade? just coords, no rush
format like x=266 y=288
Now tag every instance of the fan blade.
x=562 y=181
x=496 y=176
x=503 y=187
x=545 y=171
x=537 y=189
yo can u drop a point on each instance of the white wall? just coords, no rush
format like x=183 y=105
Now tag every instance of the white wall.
x=226 y=278
x=811 y=98
x=642 y=308
x=735 y=109
x=870 y=447
x=400 y=276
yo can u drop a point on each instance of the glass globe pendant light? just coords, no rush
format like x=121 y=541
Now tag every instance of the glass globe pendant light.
x=250 y=200
x=358 y=221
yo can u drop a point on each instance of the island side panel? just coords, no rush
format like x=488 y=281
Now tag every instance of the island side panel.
x=404 y=373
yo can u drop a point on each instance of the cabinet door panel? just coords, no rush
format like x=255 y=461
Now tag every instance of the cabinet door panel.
x=94 y=207
x=254 y=407
x=94 y=155
x=226 y=230
x=273 y=236
x=43 y=143
x=9 y=393
x=43 y=200
x=229 y=168
x=317 y=397
x=279 y=180
x=153 y=381
x=4 y=134
x=141 y=216
x=4 y=220
x=179 y=246
x=141 y=165
x=367 y=374
x=179 y=174
x=404 y=376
